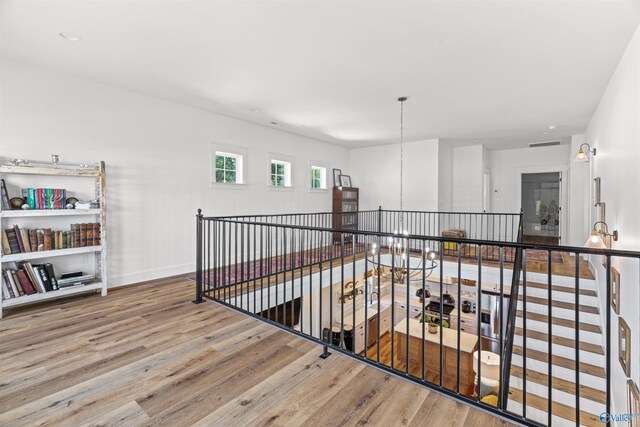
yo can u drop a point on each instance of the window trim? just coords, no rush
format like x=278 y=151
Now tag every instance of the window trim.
x=317 y=164
x=287 y=160
x=241 y=155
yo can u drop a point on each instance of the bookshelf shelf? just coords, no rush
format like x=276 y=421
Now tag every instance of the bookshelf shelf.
x=46 y=254
x=16 y=179
x=72 y=290
x=48 y=212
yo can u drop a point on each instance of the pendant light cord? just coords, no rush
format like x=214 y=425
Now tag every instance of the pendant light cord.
x=401 y=99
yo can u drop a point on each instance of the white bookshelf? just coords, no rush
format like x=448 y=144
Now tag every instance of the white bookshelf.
x=47 y=174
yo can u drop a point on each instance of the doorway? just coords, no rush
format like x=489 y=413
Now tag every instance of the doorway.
x=540 y=201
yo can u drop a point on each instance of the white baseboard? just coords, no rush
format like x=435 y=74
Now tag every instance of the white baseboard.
x=143 y=276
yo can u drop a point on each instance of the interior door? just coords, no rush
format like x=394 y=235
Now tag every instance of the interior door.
x=541 y=197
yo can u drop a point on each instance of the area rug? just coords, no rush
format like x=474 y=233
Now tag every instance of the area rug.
x=255 y=269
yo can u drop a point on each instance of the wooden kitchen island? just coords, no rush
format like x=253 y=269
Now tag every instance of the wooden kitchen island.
x=432 y=354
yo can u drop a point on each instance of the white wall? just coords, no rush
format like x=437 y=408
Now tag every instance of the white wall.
x=579 y=195
x=615 y=131
x=445 y=177
x=157 y=157
x=376 y=171
x=467 y=179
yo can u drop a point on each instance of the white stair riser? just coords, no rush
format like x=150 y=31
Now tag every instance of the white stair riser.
x=562 y=351
x=562 y=331
x=559 y=396
x=561 y=313
x=566 y=281
x=561 y=372
x=534 y=414
x=559 y=296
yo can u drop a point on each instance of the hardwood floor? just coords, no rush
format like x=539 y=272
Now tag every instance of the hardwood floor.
x=146 y=355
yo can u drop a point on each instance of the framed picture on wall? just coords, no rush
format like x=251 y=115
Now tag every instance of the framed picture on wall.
x=615 y=290
x=624 y=346
x=633 y=402
x=336 y=177
x=345 y=180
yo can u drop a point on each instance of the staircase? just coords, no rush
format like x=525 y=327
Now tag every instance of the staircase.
x=563 y=337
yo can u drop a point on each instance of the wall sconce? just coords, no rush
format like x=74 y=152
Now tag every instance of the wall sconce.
x=582 y=156
x=595 y=240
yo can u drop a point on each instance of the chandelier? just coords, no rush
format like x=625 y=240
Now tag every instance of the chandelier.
x=400 y=259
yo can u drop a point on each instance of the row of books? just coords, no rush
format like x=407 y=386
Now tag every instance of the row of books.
x=27 y=279
x=45 y=198
x=16 y=240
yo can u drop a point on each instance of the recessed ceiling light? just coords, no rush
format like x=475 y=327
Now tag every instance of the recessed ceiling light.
x=552 y=127
x=256 y=110
x=72 y=37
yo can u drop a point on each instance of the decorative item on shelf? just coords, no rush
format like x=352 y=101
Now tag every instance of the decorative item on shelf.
x=624 y=346
x=4 y=195
x=16 y=202
x=615 y=290
x=633 y=403
x=18 y=162
x=71 y=202
x=582 y=156
x=336 y=177
x=595 y=241
x=345 y=181
x=55 y=159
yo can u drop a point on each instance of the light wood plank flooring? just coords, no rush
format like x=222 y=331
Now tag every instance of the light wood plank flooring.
x=146 y=355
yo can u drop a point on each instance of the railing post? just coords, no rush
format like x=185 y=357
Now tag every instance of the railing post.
x=379 y=219
x=507 y=350
x=198 y=299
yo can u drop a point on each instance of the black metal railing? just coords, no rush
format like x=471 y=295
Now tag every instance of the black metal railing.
x=379 y=292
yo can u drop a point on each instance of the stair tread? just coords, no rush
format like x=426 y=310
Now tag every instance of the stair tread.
x=588 y=327
x=558 y=288
x=561 y=304
x=560 y=384
x=567 y=342
x=585 y=368
x=558 y=409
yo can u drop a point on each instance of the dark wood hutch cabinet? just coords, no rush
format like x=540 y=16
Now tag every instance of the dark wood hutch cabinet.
x=345 y=211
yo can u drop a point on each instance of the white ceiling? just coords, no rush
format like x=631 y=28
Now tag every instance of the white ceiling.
x=499 y=72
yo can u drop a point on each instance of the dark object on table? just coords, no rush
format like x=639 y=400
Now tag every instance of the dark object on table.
x=422 y=296
x=348 y=337
x=466 y=307
x=335 y=336
x=448 y=299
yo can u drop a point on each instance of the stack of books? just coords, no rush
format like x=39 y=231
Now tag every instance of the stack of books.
x=45 y=198
x=27 y=279
x=16 y=240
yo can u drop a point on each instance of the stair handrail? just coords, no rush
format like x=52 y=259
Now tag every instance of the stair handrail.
x=507 y=351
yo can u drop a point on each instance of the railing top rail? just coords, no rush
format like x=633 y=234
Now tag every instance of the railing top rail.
x=507 y=244
x=365 y=211
x=515 y=214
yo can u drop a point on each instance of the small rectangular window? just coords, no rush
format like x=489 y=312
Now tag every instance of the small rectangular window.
x=280 y=173
x=228 y=168
x=318 y=177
